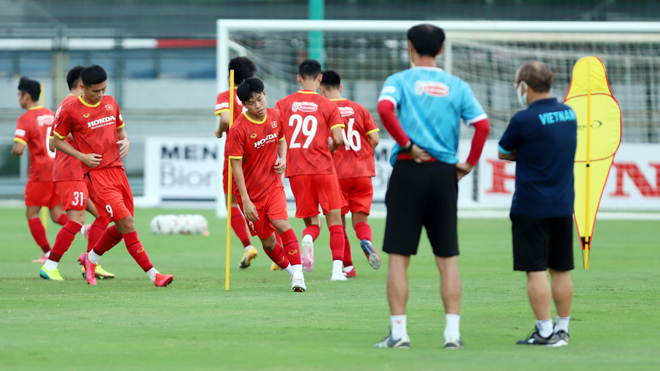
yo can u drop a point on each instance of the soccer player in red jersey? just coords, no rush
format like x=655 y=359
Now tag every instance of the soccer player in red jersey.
x=243 y=68
x=32 y=130
x=354 y=163
x=68 y=179
x=309 y=120
x=95 y=121
x=255 y=141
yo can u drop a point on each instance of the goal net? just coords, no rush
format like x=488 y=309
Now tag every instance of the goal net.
x=484 y=54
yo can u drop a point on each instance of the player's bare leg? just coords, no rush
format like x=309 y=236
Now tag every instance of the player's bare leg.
x=450 y=291
x=66 y=235
x=58 y=215
x=38 y=231
x=126 y=227
x=562 y=294
x=310 y=234
x=363 y=232
x=333 y=218
x=397 y=296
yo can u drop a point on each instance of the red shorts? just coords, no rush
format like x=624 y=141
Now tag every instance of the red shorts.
x=109 y=190
x=73 y=194
x=270 y=207
x=41 y=194
x=359 y=193
x=310 y=191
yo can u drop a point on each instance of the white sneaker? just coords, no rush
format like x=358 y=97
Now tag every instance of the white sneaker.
x=338 y=276
x=298 y=284
x=307 y=253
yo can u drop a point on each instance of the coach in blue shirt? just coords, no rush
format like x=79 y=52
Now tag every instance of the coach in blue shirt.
x=423 y=189
x=542 y=139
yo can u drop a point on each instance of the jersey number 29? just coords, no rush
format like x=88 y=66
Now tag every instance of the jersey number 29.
x=307 y=125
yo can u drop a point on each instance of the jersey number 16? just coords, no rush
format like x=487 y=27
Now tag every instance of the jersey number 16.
x=351 y=137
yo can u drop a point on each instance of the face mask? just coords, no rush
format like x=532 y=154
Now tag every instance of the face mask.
x=522 y=97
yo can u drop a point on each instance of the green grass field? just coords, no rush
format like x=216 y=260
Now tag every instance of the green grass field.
x=128 y=324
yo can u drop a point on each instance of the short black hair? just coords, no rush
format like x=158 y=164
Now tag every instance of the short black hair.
x=331 y=79
x=309 y=68
x=427 y=39
x=93 y=75
x=243 y=68
x=249 y=87
x=73 y=77
x=537 y=75
x=32 y=87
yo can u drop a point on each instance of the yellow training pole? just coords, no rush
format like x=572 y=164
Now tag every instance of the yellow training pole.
x=229 y=187
x=44 y=210
x=587 y=233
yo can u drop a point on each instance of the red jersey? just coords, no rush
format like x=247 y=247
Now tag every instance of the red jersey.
x=307 y=119
x=94 y=129
x=256 y=143
x=356 y=157
x=222 y=105
x=67 y=167
x=33 y=130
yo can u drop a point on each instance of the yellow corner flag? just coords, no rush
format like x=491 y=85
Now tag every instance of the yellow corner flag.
x=598 y=138
x=229 y=183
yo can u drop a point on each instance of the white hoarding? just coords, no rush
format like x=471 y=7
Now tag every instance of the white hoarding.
x=186 y=169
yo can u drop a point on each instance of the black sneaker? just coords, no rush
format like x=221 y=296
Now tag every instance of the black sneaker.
x=388 y=342
x=563 y=338
x=536 y=339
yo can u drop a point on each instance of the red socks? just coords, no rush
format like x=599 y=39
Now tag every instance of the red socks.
x=238 y=225
x=109 y=238
x=337 y=241
x=348 y=260
x=63 y=240
x=95 y=231
x=278 y=257
x=63 y=219
x=39 y=234
x=278 y=238
x=291 y=246
x=363 y=231
x=312 y=230
x=136 y=250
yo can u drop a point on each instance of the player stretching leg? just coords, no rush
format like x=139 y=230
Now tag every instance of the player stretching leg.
x=68 y=178
x=354 y=162
x=95 y=121
x=243 y=68
x=32 y=130
x=309 y=119
x=255 y=141
x=423 y=188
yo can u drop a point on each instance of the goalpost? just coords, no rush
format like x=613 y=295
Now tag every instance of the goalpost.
x=485 y=54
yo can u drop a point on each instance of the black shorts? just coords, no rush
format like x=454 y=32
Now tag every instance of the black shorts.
x=542 y=243
x=421 y=195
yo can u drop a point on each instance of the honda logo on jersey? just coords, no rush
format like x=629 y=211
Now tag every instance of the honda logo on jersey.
x=304 y=107
x=101 y=122
x=433 y=88
x=268 y=139
x=346 y=111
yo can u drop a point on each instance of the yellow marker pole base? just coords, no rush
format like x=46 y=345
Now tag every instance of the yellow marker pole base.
x=44 y=217
x=586 y=257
